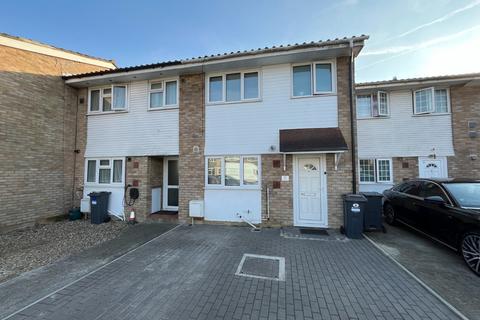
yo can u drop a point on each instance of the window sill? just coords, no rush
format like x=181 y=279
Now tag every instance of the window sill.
x=106 y=112
x=316 y=95
x=164 y=108
x=232 y=102
x=241 y=188
x=104 y=185
x=375 y=118
x=431 y=114
x=371 y=183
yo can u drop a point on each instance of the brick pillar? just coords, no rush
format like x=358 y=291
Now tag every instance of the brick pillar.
x=340 y=181
x=137 y=175
x=192 y=142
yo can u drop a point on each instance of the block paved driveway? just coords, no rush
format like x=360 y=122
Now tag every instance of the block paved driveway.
x=189 y=273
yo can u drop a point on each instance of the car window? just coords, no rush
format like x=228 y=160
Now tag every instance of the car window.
x=429 y=189
x=410 y=188
x=467 y=194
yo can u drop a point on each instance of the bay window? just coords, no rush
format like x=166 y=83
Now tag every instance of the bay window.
x=431 y=100
x=234 y=87
x=163 y=93
x=104 y=171
x=312 y=79
x=233 y=171
x=375 y=171
x=108 y=99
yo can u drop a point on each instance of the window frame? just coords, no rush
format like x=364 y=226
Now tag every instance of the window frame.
x=434 y=107
x=376 y=170
x=97 y=172
x=222 y=174
x=380 y=114
x=164 y=91
x=242 y=87
x=100 y=97
x=313 y=81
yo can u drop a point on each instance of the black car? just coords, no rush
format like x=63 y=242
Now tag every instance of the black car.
x=447 y=210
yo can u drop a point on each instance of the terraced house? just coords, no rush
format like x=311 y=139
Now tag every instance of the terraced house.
x=422 y=127
x=38 y=116
x=265 y=135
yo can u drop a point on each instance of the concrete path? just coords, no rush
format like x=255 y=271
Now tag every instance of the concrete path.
x=439 y=267
x=33 y=285
x=189 y=273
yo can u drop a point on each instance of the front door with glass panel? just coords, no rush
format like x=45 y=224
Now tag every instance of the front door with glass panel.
x=432 y=168
x=170 y=184
x=309 y=192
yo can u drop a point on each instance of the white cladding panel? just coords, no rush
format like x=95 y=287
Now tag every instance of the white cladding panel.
x=224 y=204
x=251 y=128
x=137 y=132
x=403 y=134
x=115 y=200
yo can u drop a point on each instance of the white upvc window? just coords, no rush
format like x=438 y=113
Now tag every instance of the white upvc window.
x=384 y=171
x=431 y=100
x=108 y=99
x=375 y=171
x=162 y=94
x=233 y=87
x=233 y=171
x=373 y=105
x=104 y=171
x=315 y=78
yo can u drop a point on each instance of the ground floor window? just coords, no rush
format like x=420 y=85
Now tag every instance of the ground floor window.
x=233 y=171
x=104 y=171
x=375 y=171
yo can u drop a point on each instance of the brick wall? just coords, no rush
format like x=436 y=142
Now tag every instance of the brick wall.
x=37 y=136
x=465 y=104
x=137 y=170
x=340 y=181
x=404 y=168
x=281 y=199
x=192 y=141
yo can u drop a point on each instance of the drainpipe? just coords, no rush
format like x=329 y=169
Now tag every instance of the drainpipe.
x=352 y=120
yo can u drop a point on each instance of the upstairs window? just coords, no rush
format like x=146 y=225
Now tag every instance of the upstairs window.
x=163 y=93
x=108 y=99
x=313 y=79
x=372 y=105
x=234 y=87
x=430 y=101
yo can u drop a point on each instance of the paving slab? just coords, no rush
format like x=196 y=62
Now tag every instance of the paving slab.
x=439 y=267
x=189 y=273
x=33 y=285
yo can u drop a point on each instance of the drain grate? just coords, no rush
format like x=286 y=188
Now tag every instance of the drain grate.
x=320 y=232
x=262 y=267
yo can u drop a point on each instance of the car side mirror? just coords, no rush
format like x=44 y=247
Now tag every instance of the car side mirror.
x=435 y=200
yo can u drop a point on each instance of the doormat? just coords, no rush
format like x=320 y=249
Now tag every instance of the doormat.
x=262 y=267
x=321 y=232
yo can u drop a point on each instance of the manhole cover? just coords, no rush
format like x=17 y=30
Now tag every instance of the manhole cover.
x=262 y=267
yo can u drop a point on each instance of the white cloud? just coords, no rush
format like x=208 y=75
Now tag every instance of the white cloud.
x=402 y=50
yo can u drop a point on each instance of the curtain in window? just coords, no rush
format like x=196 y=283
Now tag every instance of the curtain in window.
x=104 y=175
x=171 y=93
x=117 y=170
x=91 y=170
x=119 y=97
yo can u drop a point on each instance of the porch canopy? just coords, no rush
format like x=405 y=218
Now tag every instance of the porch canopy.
x=321 y=140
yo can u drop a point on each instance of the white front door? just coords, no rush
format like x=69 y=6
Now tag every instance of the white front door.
x=432 y=168
x=310 y=201
x=170 y=184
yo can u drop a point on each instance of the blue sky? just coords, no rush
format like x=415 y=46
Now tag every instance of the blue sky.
x=408 y=38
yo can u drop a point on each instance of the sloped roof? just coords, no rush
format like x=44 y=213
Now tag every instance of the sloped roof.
x=392 y=82
x=226 y=55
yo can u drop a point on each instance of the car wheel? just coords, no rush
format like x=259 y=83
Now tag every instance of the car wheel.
x=471 y=251
x=389 y=213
